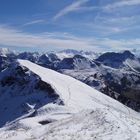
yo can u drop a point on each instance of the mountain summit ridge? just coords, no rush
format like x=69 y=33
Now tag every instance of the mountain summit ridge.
x=83 y=108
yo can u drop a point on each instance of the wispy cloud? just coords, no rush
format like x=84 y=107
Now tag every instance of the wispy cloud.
x=119 y=23
x=121 y=4
x=13 y=37
x=70 y=8
x=107 y=7
x=111 y=24
x=34 y=22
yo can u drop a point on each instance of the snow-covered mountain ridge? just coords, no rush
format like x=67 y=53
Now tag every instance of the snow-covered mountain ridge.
x=69 y=86
x=84 y=114
x=116 y=74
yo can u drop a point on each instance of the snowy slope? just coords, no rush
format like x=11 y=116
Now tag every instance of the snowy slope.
x=71 y=89
x=86 y=114
x=134 y=65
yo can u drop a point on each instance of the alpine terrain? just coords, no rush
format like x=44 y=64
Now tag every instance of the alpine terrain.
x=40 y=103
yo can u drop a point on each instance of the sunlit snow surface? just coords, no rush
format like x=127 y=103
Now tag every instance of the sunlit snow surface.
x=86 y=114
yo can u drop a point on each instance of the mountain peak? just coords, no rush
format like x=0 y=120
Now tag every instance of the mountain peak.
x=114 y=59
x=5 y=51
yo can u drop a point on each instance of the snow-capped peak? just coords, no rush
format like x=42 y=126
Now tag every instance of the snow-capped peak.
x=5 y=51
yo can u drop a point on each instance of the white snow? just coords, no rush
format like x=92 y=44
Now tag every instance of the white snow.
x=5 y=51
x=133 y=65
x=63 y=55
x=86 y=115
x=74 y=93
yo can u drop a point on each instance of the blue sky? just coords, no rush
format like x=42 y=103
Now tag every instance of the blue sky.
x=97 y=25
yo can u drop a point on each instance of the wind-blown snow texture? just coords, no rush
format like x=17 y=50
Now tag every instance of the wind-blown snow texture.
x=86 y=114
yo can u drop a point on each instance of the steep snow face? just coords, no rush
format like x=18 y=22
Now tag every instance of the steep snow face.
x=85 y=113
x=74 y=93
